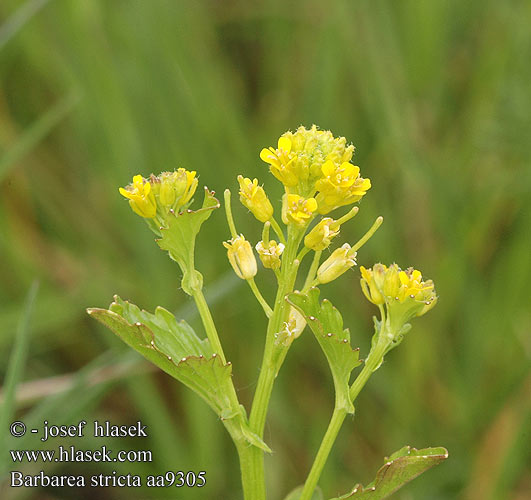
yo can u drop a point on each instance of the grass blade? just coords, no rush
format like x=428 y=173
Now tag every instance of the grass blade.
x=23 y=14
x=17 y=361
x=36 y=132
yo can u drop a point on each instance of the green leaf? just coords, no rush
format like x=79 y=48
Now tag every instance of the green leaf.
x=327 y=325
x=178 y=238
x=400 y=468
x=296 y=493
x=174 y=347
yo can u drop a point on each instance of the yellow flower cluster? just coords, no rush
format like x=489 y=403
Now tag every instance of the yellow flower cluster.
x=403 y=292
x=159 y=194
x=313 y=164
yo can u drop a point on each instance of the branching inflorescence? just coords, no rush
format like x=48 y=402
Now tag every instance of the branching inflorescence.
x=319 y=179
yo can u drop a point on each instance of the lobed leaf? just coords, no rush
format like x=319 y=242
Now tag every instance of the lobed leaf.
x=178 y=239
x=326 y=323
x=400 y=468
x=174 y=347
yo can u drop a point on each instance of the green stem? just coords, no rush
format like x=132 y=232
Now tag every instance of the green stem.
x=374 y=360
x=273 y=357
x=208 y=323
x=367 y=236
x=212 y=334
x=338 y=416
x=324 y=450
x=265 y=306
x=228 y=213
x=246 y=468
x=312 y=271
x=278 y=230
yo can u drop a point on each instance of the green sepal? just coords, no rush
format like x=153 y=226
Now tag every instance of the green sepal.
x=178 y=239
x=296 y=493
x=400 y=468
x=327 y=325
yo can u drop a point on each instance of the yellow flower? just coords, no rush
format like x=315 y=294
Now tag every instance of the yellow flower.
x=280 y=162
x=270 y=253
x=340 y=185
x=140 y=197
x=412 y=286
x=322 y=234
x=341 y=260
x=176 y=188
x=241 y=257
x=297 y=210
x=300 y=155
x=404 y=293
x=254 y=198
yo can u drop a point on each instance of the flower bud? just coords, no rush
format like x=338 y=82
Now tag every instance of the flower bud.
x=241 y=257
x=255 y=199
x=369 y=287
x=404 y=293
x=140 y=197
x=296 y=209
x=270 y=253
x=340 y=261
x=321 y=235
x=176 y=188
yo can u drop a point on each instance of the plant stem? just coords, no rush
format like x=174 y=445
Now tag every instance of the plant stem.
x=278 y=230
x=312 y=271
x=273 y=356
x=246 y=468
x=228 y=214
x=324 y=450
x=265 y=306
x=374 y=359
x=208 y=323
x=367 y=236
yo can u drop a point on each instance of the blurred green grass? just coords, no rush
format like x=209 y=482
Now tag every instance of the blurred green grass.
x=435 y=96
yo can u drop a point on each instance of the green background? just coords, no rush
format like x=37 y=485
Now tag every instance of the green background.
x=436 y=98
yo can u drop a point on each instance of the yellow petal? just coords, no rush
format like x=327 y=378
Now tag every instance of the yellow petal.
x=311 y=204
x=416 y=275
x=365 y=273
x=328 y=168
x=353 y=170
x=125 y=193
x=266 y=155
x=284 y=143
